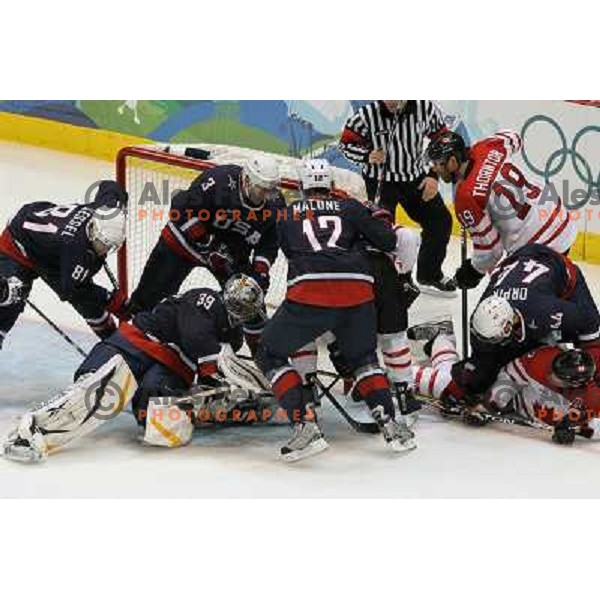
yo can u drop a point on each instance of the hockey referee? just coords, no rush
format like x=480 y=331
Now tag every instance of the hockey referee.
x=386 y=137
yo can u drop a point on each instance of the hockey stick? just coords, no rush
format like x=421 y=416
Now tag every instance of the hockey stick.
x=464 y=299
x=513 y=419
x=325 y=391
x=111 y=276
x=386 y=149
x=57 y=329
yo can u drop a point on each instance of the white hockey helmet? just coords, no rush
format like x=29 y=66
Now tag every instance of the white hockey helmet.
x=106 y=230
x=262 y=171
x=493 y=320
x=261 y=174
x=316 y=173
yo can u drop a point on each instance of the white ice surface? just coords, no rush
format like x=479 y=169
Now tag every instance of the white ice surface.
x=451 y=460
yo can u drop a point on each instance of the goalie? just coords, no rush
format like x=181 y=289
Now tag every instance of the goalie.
x=158 y=355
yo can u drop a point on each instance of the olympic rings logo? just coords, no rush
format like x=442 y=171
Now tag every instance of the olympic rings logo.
x=558 y=158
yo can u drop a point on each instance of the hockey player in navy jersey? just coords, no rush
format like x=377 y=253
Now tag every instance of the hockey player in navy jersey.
x=330 y=289
x=65 y=246
x=157 y=357
x=535 y=297
x=224 y=222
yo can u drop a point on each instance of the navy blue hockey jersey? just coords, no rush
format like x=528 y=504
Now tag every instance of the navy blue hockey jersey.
x=212 y=209
x=550 y=294
x=184 y=332
x=323 y=239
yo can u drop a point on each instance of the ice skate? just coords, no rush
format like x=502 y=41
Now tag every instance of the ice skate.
x=397 y=435
x=424 y=332
x=307 y=439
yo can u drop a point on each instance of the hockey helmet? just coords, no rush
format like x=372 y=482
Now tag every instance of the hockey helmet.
x=316 y=173
x=574 y=367
x=493 y=320
x=243 y=299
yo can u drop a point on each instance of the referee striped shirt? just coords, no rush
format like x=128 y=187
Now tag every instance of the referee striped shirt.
x=401 y=135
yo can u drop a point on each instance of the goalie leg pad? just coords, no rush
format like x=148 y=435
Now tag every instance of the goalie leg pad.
x=241 y=373
x=167 y=425
x=79 y=410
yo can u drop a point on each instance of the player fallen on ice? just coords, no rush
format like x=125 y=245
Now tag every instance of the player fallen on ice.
x=151 y=363
x=534 y=297
x=502 y=208
x=225 y=223
x=554 y=385
x=65 y=246
x=329 y=289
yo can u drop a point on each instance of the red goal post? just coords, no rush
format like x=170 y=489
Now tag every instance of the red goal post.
x=136 y=167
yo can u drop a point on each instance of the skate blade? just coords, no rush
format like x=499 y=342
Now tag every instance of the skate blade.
x=399 y=447
x=315 y=448
x=433 y=291
x=409 y=420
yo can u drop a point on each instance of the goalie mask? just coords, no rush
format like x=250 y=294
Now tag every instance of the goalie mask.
x=243 y=299
x=106 y=231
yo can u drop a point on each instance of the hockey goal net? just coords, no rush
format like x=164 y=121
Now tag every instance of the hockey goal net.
x=152 y=174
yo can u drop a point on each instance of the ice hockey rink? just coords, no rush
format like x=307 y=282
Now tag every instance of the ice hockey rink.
x=451 y=460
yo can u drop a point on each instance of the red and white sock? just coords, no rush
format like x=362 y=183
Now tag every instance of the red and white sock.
x=396 y=356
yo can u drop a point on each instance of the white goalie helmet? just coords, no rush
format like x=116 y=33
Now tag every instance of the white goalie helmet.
x=493 y=320
x=316 y=173
x=243 y=299
x=106 y=230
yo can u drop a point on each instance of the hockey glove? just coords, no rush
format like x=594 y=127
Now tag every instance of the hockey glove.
x=118 y=306
x=220 y=261
x=260 y=274
x=11 y=291
x=467 y=276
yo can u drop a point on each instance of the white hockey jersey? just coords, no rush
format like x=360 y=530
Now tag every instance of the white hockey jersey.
x=503 y=209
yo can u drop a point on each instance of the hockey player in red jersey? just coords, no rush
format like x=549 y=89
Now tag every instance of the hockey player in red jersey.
x=551 y=384
x=502 y=208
